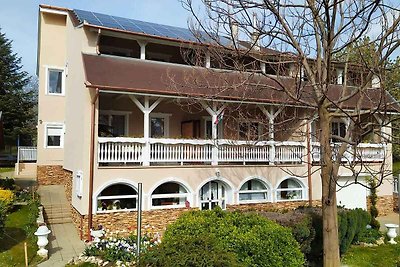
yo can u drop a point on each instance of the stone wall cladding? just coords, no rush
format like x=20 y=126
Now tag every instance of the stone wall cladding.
x=395 y=202
x=156 y=221
x=384 y=205
x=52 y=175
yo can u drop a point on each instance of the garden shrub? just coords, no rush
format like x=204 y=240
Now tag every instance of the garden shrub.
x=373 y=210
x=230 y=239
x=3 y=216
x=7 y=183
x=299 y=222
x=369 y=236
x=7 y=197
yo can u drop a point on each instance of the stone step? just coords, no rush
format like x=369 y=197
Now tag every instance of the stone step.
x=58 y=215
x=59 y=220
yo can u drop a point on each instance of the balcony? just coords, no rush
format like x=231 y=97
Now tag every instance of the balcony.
x=165 y=151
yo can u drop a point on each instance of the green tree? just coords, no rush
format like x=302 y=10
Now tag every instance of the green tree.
x=17 y=100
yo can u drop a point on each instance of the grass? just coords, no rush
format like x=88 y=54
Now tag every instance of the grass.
x=384 y=255
x=19 y=228
x=6 y=169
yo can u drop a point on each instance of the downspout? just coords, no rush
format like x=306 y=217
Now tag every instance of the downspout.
x=97 y=41
x=309 y=165
x=91 y=162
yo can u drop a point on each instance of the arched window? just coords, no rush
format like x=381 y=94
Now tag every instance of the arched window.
x=290 y=189
x=254 y=191
x=117 y=197
x=170 y=194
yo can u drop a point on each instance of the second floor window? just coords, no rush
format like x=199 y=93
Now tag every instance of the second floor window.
x=338 y=129
x=249 y=131
x=55 y=82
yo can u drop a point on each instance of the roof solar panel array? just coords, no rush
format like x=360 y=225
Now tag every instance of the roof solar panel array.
x=137 y=26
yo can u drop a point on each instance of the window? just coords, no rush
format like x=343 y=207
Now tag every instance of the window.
x=159 y=125
x=113 y=125
x=172 y=195
x=208 y=124
x=117 y=197
x=249 y=130
x=55 y=82
x=338 y=128
x=253 y=191
x=396 y=185
x=290 y=189
x=54 y=135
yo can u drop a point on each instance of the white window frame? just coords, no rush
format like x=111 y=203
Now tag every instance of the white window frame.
x=116 y=197
x=110 y=113
x=396 y=185
x=267 y=191
x=47 y=83
x=339 y=121
x=259 y=128
x=301 y=188
x=54 y=124
x=164 y=116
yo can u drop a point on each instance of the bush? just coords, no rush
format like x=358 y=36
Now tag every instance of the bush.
x=351 y=223
x=369 y=236
x=229 y=239
x=7 y=183
x=7 y=198
x=299 y=222
x=3 y=216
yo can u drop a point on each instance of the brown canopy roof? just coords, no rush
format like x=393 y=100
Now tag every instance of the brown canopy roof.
x=145 y=76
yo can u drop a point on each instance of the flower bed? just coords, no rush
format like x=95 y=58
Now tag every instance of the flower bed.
x=116 y=249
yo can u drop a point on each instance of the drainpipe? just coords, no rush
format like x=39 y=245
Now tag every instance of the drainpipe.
x=98 y=41
x=309 y=165
x=91 y=161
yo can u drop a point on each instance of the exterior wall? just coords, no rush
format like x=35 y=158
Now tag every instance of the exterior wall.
x=52 y=40
x=396 y=202
x=385 y=205
x=78 y=114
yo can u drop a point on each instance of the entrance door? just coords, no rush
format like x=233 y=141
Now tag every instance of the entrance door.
x=212 y=194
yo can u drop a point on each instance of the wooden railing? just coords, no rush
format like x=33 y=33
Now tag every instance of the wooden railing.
x=181 y=151
x=186 y=151
x=364 y=152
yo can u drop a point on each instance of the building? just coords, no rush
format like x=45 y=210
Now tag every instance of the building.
x=116 y=110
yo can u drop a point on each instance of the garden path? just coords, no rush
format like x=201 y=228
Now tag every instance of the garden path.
x=64 y=242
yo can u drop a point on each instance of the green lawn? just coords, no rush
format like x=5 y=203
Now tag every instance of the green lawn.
x=6 y=169
x=385 y=255
x=19 y=228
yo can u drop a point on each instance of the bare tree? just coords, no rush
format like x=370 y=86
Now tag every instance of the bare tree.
x=314 y=39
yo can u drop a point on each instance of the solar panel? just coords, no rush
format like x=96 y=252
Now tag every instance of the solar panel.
x=137 y=26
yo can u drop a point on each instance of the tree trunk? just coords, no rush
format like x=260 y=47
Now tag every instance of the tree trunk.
x=331 y=256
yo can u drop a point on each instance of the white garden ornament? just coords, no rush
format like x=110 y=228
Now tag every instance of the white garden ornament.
x=392 y=232
x=42 y=232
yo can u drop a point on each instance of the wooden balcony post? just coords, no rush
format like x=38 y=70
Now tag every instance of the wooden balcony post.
x=271 y=114
x=146 y=108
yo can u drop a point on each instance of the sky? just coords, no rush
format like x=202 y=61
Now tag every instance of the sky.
x=18 y=19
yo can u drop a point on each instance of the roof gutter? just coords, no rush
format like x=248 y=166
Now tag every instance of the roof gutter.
x=91 y=161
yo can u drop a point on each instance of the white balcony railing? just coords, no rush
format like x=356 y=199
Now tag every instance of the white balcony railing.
x=180 y=151
x=27 y=153
x=364 y=152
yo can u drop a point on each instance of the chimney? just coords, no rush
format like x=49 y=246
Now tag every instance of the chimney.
x=255 y=36
x=235 y=32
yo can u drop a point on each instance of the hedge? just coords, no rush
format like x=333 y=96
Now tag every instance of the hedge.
x=220 y=238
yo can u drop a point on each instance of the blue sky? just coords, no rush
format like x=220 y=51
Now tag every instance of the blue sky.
x=18 y=19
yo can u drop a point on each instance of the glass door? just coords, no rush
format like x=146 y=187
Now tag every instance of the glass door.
x=212 y=194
